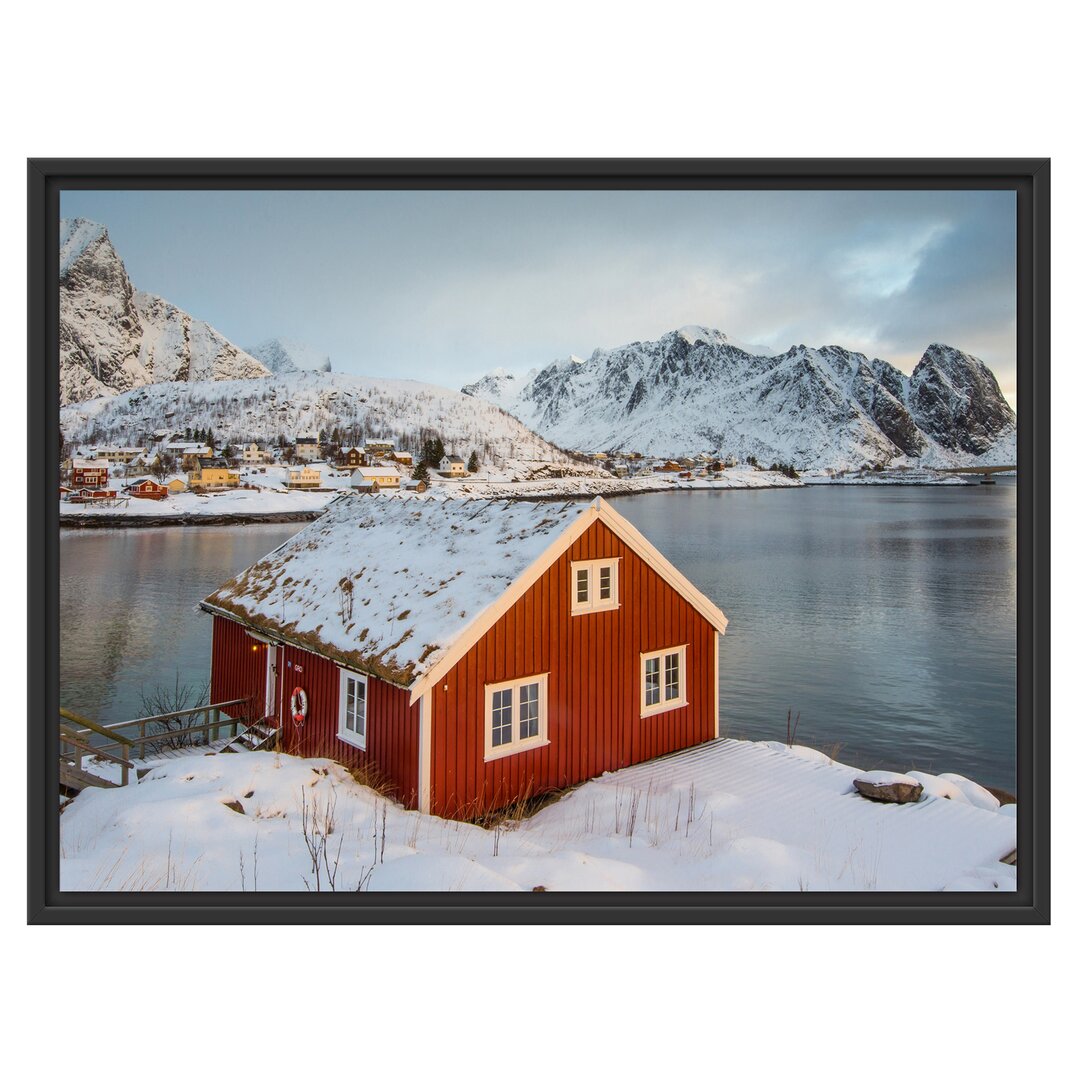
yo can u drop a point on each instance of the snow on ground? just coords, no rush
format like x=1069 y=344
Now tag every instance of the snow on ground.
x=186 y=504
x=727 y=815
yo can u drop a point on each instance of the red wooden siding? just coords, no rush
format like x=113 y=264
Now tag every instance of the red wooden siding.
x=239 y=670
x=593 y=661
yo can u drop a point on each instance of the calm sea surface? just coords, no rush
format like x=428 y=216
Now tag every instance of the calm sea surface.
x=885 y=617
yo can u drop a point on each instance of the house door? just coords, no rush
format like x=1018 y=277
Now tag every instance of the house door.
x=271 y=682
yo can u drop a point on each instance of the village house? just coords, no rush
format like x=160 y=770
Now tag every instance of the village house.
x=146 y=489
x=176 y=485
x=378 y=448
x=451 y=465
x=307 y=448
x=190 y=458
x=305 y=477
x=117 y=455
x=470 y=652
x=353 y=458
x=93 y=495
x=252 y=455
x=402 y=457
x=212 y=474
x=89 y=473
x=381 y=476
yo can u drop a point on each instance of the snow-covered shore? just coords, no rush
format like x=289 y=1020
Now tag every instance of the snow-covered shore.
x=727 y=815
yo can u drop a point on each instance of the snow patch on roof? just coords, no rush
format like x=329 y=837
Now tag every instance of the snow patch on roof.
x=386 y=585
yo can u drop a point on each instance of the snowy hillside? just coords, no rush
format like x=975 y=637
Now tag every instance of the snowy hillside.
x=284 y=357
x=114 y=338
x=239 y=410
x=696 y=389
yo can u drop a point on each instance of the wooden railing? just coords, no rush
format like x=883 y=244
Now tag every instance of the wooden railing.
x=78 y=741
x=124 y=746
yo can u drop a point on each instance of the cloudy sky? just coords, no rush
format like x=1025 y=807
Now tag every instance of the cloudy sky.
x=444 y=286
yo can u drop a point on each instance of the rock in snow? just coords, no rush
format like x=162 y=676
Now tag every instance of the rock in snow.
x=885 y=786
x=827 y=407
x=114 y=338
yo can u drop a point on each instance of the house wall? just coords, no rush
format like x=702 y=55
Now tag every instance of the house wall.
x=239 y=670
x=594 y=707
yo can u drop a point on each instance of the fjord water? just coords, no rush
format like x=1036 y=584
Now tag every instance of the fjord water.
x=885 y=616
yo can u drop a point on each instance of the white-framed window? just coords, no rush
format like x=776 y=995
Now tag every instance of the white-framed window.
x=515 y=716
x=352 y=708
x=594 y=585
x=663 y=680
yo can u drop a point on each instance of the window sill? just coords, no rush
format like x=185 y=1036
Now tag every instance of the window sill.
x=670 y=706
x=353 y=740
x=512 y=749
x=596 y=610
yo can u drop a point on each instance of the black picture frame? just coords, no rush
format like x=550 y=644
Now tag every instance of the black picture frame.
x=1028 y=177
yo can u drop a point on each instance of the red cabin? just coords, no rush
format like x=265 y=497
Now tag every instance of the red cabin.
x=470 y=652
x=147 y=489
x=89 y=476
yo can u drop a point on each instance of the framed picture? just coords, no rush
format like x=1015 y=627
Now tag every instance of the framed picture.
x=539 y=541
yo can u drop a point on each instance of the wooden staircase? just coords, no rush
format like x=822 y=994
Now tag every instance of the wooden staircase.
x=258 y=736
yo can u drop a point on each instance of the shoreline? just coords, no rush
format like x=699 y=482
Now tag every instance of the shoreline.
x=497 y=490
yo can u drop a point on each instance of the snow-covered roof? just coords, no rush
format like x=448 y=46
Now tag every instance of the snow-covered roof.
x=420 y=570
x=377 y=470
x=393 y=586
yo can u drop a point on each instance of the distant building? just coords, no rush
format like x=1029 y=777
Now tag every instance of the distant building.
x=119 y=455
x=252 y=455
x=402 y=457
x=353 y=458
x=306 y=477
x=307 y=448
x=176 y=485
x=451 y=465
x=383 y=477
x=89 y=473
x=212 y=474
x=378 y=448
x=147 y=489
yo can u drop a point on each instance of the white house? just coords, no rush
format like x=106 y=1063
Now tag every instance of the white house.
x=451 y=465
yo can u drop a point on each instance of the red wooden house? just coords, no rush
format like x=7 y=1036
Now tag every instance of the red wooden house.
x=89 y=475
x=147 y=489
x=472 y=652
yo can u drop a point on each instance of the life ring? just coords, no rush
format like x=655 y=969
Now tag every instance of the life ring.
x=298 y=706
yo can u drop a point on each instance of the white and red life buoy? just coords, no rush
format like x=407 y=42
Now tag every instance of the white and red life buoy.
x=298 y=706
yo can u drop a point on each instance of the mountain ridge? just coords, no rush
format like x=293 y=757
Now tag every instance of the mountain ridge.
x=828 y=407
x=114 y=337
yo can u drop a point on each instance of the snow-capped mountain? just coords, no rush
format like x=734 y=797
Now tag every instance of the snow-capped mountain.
x=828 y=407
x=303 y=403
x=114 y=337
x=283 y=357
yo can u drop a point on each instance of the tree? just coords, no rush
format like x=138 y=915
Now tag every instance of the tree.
x=474 y=464
x=421 y=472
x=433 y=452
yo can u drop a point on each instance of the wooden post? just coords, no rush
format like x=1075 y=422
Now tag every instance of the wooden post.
x=217 y=723
x=125 y=768
x=142 y=735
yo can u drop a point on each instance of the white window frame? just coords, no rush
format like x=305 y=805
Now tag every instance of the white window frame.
x=516 y=745
x=343 y=733
x=593 y=567
x=673 y=703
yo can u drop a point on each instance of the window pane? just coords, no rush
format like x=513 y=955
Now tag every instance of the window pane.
x=605 y=582
x=583 y=586
x=529 y=711
x=361 y=707
x=671 y=676
x=350 y=704
x=652 y=680
x=502 y=715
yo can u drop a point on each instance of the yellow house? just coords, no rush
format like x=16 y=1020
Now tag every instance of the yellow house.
x=307 y=477
x=176 y=485
x=380 y=477
x=452 y=465
x=212 y=474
